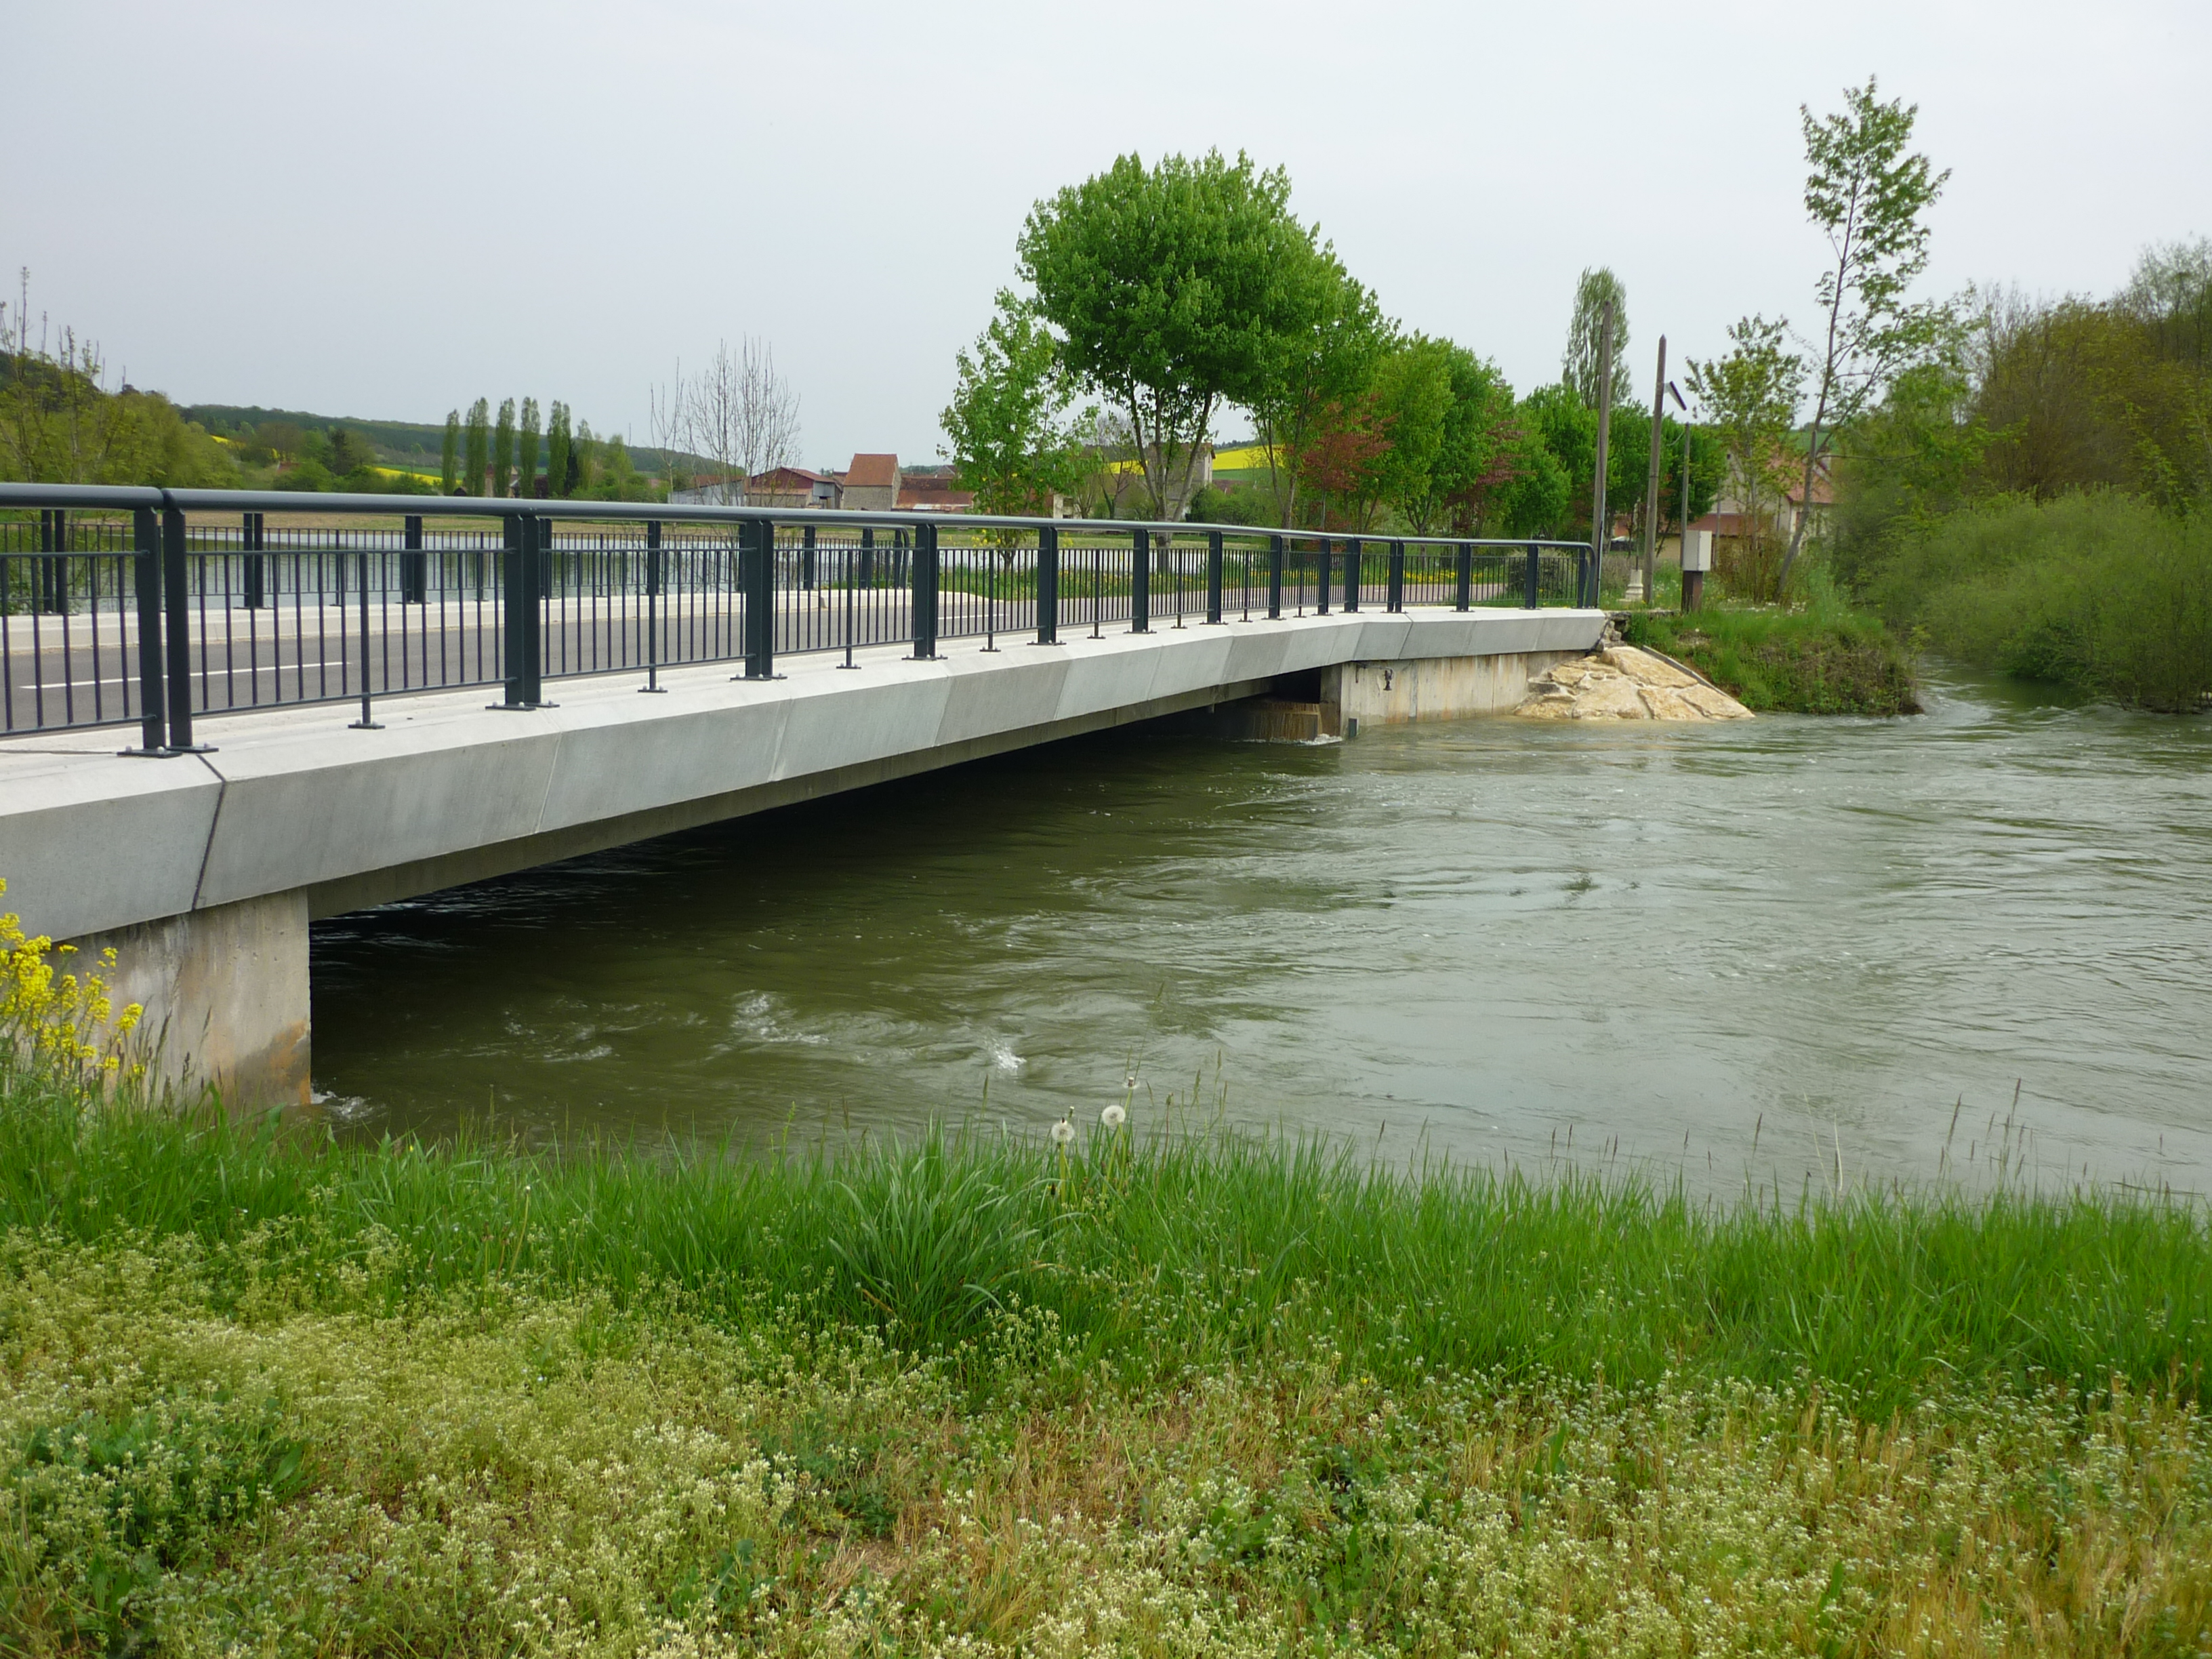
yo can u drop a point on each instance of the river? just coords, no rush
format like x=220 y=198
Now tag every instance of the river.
x=1791 y=950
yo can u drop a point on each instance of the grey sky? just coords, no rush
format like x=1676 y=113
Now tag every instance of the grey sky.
x=390 y=210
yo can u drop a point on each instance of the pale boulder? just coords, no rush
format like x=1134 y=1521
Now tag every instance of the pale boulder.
x=1625 y=682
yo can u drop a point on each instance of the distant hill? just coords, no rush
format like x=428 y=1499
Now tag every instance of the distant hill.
x=401 y=443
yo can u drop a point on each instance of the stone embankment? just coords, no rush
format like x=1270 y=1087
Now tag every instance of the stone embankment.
x=1625 y=683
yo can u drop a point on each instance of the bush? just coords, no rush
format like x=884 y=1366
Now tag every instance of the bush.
x=1822 y=657
x=2102 y=592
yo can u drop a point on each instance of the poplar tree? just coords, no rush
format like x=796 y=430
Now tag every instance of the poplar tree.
x=477 y=449
x=526 y=450
x=557 y=444
x=502 y=449
x=449 y=459
x=1578 y=368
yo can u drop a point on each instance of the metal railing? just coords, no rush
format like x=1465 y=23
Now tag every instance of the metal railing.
x=150 y=607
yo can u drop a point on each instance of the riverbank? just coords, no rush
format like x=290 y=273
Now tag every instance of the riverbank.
x=1199 y=1394
x=1822 y=657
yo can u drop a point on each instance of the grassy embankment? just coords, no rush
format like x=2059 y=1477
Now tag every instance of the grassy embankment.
x=1182 y=1395
x=2098 y=591
x=1817 y=656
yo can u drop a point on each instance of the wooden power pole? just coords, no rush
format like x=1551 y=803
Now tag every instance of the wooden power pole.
x=1600 y=521
x=1651 y=486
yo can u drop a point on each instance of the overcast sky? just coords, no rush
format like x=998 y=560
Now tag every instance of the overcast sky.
x=388 y=210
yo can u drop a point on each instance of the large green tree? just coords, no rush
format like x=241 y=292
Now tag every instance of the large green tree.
x=449 y=457
x=1164 y=287
x=1750 y=400
x=1014 y=438
x=526 y=451
x=1320 y=358
x=1869 y=193
x=560 y=445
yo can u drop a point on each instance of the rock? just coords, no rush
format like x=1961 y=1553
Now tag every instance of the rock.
x=1625 y=682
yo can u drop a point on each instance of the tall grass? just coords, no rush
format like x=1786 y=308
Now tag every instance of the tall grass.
x=2102 y=592
x=1819 y=656
x=1163 y=1254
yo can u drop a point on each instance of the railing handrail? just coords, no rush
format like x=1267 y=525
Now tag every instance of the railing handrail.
x=129 y=497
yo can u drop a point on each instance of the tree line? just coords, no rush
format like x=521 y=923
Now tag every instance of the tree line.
x=1154 y=302
x=486 y=455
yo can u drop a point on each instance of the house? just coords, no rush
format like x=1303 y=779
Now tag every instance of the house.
x=934 y=489
x=793 y=486
x=872 y=483
x=1735 y=518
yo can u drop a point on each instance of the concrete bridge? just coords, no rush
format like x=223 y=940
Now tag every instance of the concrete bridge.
x=205 y=869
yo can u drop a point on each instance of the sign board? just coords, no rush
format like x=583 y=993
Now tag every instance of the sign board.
x=1697 y=549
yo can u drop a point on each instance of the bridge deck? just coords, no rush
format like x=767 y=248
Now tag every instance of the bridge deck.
x=449 y=791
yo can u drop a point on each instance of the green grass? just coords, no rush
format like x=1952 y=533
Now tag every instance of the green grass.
x=1171 y=1252
x=262 y=1391
x=1820 y=657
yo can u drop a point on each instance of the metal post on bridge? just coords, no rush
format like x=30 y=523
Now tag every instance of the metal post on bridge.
x=522 y=617
x=1352 y=574
x=1532 y=596
x=1320 y=578
x=1463 y=577
x=1140 y=582
x=924 y=592
x=255 y=540
x=653 y=608
x=757 y=562
x=176 y=602
x=1214 y=557
x=806 y=561
x=1048 y=586
x=1274 y=579
x=49 y=577
x=1395 y=599
x=413 y=563
x=146 y=578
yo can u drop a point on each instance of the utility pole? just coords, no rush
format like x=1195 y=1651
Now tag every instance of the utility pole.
x=1600 y=522
x=1651 y=485
x=1693 y=581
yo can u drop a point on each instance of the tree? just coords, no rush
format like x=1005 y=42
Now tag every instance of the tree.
x=1013 y=441
x=477 y=450
x=1331 y=334
x=1578 y=368
x=502 y=449
x=1163 y=286
x=526 y=451
x=1751 y=398
x=558 y=443
x=1344 y=458
x=1467 y=455
x=1867 y=194
x=449 y=456
x=346 y=451
x=738 y=413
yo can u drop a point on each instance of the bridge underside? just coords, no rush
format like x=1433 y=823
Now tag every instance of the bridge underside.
x=205 y=871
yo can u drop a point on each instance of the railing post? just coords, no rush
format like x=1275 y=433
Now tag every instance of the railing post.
x=651 y=606
x=1274 y=579
x=49 y=577
x=255 y=584
x=522 y=617
x=759 y=583
x=1463 y=577
x=1395 y=600
x=1320 y=578
x=1531 y=591
x=806 y=574
x=1352 y=574
x=176 y=603
x=867 y=556
x=146 y=576
x=1048 y=586
x=1213 y=563
x=414 y=564
x=1140 y=582
x=925 y=592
